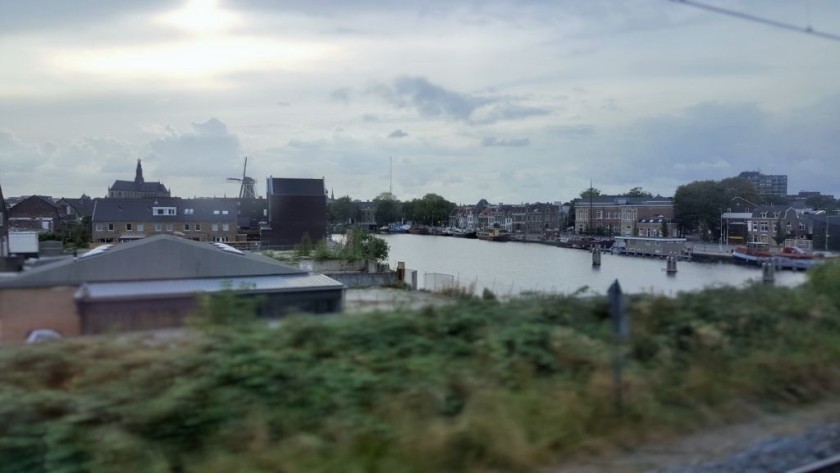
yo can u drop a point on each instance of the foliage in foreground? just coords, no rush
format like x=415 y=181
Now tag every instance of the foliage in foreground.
x=358 y=245
x=477 y=386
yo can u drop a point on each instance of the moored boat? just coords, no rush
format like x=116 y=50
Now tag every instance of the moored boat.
x=494 y=234
x=754 y=253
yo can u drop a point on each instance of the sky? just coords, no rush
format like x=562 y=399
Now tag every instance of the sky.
x=511 y=101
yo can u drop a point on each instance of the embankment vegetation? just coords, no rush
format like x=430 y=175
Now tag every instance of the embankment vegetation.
x=478 y=385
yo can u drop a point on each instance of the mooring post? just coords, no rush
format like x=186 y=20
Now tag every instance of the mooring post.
x=596 y=256
x=671 y=265
x=768 y=272
x=621 y=332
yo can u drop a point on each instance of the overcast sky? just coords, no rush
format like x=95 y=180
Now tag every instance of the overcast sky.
x=512 y=101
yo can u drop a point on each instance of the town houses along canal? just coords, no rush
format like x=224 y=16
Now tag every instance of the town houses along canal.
x=512 y=267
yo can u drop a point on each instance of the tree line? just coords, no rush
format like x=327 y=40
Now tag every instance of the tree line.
x=431 y=209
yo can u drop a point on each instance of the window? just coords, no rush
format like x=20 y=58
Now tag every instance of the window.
x=198 y=227
x=158 y=227
x=128 y=227
x=186 y=227
x=140 y=227
x=225 y=227
x=224 y=212
x=215 y=212
x=164 y=211
x=110 y=227
x=599 y=215
x=214 y=227
x=168 y=227
x=98 y=227
x=189 y=211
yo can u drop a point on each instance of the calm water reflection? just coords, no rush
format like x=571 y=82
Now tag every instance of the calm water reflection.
x=510 y=268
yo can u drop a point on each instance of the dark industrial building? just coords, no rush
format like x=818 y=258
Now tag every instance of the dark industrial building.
x=296 y=207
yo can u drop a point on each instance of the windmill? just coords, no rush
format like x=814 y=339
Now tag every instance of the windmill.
x=249 y=185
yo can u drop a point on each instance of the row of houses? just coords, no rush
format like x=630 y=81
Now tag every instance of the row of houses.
x=524 y=218
x=136 y=209
x=746 y=222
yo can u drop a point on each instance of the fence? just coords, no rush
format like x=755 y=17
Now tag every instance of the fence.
x=437 y=282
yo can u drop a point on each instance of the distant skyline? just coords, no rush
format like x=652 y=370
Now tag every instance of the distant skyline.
x=513 y=101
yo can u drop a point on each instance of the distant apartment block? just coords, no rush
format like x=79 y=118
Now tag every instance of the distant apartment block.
x=767 y=184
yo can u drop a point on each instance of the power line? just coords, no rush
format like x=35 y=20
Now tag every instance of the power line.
x=758 y=19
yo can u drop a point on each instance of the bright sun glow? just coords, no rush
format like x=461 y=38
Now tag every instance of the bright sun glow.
x=209 y=52
x=197 y=59
x=200 y=16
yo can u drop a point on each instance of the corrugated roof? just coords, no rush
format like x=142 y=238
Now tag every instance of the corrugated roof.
x=159 y=257
x=260 y=284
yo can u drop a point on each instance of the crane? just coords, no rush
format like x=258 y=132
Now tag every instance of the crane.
x=248 y=190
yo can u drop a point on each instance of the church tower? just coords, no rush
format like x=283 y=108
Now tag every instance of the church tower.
x=138 y=175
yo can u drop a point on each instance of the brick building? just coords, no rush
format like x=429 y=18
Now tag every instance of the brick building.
x=119 y=220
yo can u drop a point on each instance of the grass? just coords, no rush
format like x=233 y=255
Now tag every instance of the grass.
x=480 y=385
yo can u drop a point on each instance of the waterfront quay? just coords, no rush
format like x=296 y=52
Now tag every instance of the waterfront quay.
x=510 y=269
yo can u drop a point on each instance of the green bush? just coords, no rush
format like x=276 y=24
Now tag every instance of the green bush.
x=480 y=385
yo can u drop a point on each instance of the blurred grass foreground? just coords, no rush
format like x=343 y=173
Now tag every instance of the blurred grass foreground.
x=478 y=385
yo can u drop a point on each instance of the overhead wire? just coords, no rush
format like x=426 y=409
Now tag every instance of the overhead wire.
x=757 y=19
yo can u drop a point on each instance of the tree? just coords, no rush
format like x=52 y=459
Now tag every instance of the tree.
x=434 y=209
x=821 y=202
x=638 y=192
x=386 y=208
x=698 y=205
x=590 y=192
x=344 y=210
x=781 y=235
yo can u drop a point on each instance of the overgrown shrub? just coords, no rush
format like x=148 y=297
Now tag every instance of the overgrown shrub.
x=474 y=386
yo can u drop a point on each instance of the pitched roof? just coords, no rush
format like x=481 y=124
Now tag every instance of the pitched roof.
x=83 y=205
x=133 y=186
x=141 y=210
x=159 y=257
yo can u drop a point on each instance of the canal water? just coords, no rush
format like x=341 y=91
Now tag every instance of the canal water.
x=510 y=268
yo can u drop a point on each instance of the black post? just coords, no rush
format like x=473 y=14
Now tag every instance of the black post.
x=621 y=332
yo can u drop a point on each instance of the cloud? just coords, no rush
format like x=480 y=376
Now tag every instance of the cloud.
x=572 y=131
x=397 y=134
x=433 y=101
x=340 y=95
x=510 y=142
x=507 y=111
x=430 y=100
x=19 y=156
x=208 y=150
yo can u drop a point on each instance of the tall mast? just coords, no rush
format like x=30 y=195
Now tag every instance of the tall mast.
x=391 y=175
